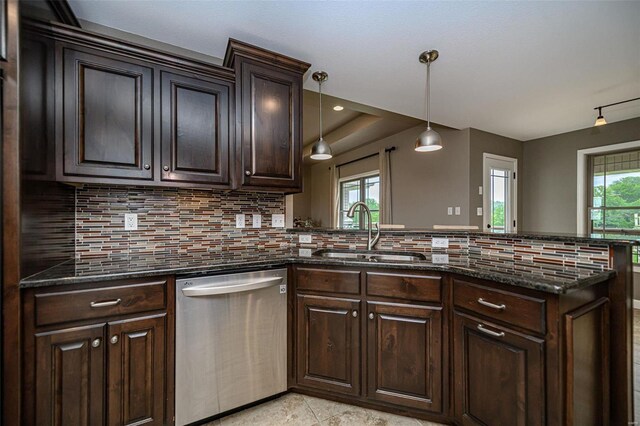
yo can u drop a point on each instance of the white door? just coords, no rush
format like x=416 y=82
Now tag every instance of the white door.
x=499 y=193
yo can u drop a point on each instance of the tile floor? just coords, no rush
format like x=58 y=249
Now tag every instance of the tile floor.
x=301 y=410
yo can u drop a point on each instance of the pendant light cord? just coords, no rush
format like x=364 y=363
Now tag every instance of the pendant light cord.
x=320 y=91
x=428 y=96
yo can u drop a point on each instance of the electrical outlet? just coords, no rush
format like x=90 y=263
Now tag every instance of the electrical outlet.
x=305 y=239
x=440 y=258
x=479 y=211
x=256 y=221
x=449 y=211
x=130 y=221
x=440 y=243
x=277 y=221
x=240 y=220
x=457 y=211
x=283 y=289
x=479 y=190
x=304 y=252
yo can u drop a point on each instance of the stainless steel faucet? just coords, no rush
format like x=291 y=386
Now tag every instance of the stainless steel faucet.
x=371 y=243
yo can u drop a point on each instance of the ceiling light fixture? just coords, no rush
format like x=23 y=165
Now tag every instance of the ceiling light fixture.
x=429 y=140
x=320 y=149
x=338 y=108
x=600 y=121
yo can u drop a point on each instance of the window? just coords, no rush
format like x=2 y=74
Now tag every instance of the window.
x=614 y=191
x=359 y=188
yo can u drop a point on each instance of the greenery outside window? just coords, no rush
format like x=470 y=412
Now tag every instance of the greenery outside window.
x=359 y=188
x=614 y=195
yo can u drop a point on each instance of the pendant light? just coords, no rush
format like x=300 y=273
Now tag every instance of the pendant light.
x=429 y=140
x=600 y=121
x=320 y=149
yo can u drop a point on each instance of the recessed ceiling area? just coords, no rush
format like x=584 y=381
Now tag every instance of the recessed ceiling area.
x=519 y=69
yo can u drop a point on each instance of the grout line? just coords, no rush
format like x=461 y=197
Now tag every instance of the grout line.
x=304 y=398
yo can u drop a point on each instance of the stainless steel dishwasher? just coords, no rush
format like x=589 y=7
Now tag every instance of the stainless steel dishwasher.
x=231 y=341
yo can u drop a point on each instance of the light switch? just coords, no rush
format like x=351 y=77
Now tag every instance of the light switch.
x=457 y=211
x=479 y=190
x=277 y=221
x=449 y=211
x=479 y=211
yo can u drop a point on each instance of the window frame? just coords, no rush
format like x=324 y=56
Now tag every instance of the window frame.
x=590 y=202
x=361 y=177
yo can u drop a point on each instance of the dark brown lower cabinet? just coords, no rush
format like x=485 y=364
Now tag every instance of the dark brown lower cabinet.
x=328 y=343
x=70 y=376
x=99 y=367
x=499 y=374
x=136 y=378
x=404 y=354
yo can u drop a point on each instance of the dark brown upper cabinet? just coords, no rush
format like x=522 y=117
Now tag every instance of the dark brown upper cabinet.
x=196 y=129
x=269 y=111
x=107 y=114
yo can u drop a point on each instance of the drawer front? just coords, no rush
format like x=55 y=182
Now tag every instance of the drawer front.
x=78 y=305
x=330 y=281
x=511 y=308
x=404 y=286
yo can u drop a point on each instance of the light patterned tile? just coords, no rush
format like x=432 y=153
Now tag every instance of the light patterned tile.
x=290 y=409
x=324 y=409
x=364 y=417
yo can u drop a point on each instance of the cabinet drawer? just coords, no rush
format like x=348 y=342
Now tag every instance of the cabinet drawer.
x=404 y=286
x=77 y=305
x=522 y=311
x=326 y=280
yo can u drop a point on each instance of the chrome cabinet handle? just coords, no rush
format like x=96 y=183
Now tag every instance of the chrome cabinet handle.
x=147 y=167
x=490 y=332
x=114 y=339
x=372 y=315
x=355 y=314
x=105 y=304
x=483 y=302
x=165 y=168
x=96 y=343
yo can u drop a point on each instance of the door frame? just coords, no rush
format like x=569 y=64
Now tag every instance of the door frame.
x=486 y=185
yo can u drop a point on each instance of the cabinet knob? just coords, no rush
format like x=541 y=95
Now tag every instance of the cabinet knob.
x=165 y=168
x=96 y=343
x=247 y=172
x=372 y=315
x=114 y=339
x=355 y=314
x=147 y=167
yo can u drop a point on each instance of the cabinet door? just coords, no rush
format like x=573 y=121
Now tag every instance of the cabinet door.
x=404 y=346
x=195 y=129
x=499 y=375
x=107 y=115
x=69 y=382
x=136 y=382
x=270 y=127
x=328 y=343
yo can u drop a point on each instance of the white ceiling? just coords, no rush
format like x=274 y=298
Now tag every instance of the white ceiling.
x=519 y=69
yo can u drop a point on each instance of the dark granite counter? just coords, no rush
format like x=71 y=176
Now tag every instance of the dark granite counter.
x=549 y=278
x=617 y=239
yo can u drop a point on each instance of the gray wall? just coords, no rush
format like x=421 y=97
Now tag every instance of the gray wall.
x=483 y=142
x=550 y=172
x=423 y=184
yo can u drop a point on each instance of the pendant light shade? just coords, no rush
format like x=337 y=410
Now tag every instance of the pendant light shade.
x=600 y=121
x=429 y=140
x=320 y=149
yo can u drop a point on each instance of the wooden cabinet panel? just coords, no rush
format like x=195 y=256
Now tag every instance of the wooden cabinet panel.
x=70 y=376
x=510 y=308
x=196 y=132
x=413 y=287
x=107 y=115
x=136 y=368
x=270 y=127
x=130 y=297
x=328 y=343
x=328 y=280
x=405 y=355
x=499 y=374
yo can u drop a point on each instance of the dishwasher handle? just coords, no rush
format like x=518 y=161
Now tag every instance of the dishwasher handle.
x=231 y=287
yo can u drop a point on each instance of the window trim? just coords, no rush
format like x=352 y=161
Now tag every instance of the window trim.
x=359 y=176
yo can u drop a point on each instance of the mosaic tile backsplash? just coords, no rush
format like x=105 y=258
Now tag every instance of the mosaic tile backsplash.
x=177 y=221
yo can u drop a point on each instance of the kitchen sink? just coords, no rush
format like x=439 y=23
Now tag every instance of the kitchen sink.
x=371 y=256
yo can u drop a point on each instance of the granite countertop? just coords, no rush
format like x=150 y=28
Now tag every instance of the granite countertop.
x=610 y=239
x=549 y=278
